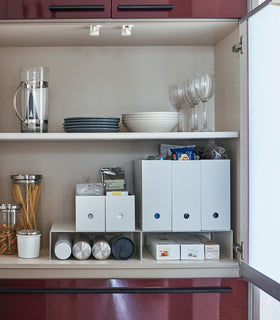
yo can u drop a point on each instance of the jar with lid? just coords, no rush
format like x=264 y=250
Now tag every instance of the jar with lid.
x=26 y=190
x=9 y=224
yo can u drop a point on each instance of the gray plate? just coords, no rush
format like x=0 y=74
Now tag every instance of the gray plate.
x=91 y=119
x=91 y=130
x=78 y=123
x=81 y=126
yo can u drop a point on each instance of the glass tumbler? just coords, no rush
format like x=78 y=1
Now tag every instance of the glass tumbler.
x=26 y=190
x=9 y=224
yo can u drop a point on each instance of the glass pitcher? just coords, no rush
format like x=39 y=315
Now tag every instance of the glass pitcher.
x=33 y=112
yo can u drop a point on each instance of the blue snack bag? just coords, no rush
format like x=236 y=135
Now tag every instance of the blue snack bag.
x=186 y=153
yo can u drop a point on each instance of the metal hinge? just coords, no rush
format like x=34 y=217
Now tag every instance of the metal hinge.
x=237 y=48
x=239 y=248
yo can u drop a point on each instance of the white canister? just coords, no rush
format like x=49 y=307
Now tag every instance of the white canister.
x=63 y=246
x=28 y=242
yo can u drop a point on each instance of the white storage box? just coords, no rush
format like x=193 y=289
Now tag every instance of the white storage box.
x=120 y=213
x=90 y=213
x=152 y=188
x=163 y=247
x=191 y=247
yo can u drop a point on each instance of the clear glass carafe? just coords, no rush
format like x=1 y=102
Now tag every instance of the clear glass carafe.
x=33 y=110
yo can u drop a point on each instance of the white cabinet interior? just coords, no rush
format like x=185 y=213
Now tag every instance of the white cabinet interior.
x=87 y=80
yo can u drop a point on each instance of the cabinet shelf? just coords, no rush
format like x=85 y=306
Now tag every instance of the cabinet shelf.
x=119 y=136
x=148 y=32
x=43 y=267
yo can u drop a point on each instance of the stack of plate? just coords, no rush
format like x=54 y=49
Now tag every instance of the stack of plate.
x=91 y=124
x=151 y=121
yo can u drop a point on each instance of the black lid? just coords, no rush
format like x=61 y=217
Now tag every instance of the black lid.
x=122 y=248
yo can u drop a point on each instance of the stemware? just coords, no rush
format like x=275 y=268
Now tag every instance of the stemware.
x=192 y=100
x=204 y=86
x=176 y=97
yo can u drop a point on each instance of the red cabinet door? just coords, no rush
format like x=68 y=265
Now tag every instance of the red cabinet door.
x=178 y=9
x=55 y=9
x=204 y=299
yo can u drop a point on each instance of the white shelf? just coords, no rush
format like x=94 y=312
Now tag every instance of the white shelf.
x=119 y=136
x=148 y=32
x=43 y=267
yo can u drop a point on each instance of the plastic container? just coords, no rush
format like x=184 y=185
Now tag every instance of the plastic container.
x=63 y=246
x=9 y=224
x=122 y=247
x=28 y=242
x=26 y=190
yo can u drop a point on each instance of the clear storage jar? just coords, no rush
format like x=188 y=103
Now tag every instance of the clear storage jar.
x=9 y=224
x=26 y=190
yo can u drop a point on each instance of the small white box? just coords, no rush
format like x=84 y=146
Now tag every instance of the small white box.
x=191 y=248
x=163 y=247
x=90 y=213
x=211 y=248
x=120 y=213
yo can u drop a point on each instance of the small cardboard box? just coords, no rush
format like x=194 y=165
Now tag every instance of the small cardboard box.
x=191 y=248
x=211 y=248
x=163 y=247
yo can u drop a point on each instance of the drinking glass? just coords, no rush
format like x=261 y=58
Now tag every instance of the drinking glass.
x=192 y=99
x=176 y=97
x=204 y=86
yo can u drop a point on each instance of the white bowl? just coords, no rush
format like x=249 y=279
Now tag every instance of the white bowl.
x=151 y=125
x=159 y=113
x=151 y=118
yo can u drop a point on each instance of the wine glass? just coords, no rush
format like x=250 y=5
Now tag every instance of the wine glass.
x=177 y=100
x=204 y=86
x=192 y=100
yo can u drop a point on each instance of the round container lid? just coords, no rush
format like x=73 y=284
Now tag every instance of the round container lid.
x=122 y=248
x=28 y=232
x=62 y=250
x=10 y=206
x=26 y=178
x=101 y=250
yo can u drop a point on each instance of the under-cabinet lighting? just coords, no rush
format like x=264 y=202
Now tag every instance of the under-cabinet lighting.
x=126 y=30
x=94 y=30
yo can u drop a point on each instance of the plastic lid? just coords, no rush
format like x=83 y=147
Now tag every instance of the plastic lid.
x=122 y=248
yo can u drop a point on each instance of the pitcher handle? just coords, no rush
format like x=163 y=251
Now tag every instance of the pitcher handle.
x=15 y=101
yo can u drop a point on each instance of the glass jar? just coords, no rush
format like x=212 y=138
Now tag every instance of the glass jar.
x=26 y=190
x=9 y=224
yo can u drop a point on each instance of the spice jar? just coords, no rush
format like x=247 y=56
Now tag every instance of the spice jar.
x=9 y=224
x=26 y=190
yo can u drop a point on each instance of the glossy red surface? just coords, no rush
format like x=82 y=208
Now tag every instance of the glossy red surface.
x=39 y=9
x=183 y=9
x=175 y=306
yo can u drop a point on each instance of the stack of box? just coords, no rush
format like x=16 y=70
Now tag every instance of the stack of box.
x=182 y=247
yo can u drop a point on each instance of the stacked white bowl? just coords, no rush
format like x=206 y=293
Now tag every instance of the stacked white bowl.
x=151 y=121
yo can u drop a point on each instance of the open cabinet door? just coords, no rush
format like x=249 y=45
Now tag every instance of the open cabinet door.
x=261 y=138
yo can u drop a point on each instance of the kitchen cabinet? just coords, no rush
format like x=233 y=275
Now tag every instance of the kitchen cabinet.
x=118 y=75
x=112 y=299
x=121 y=9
